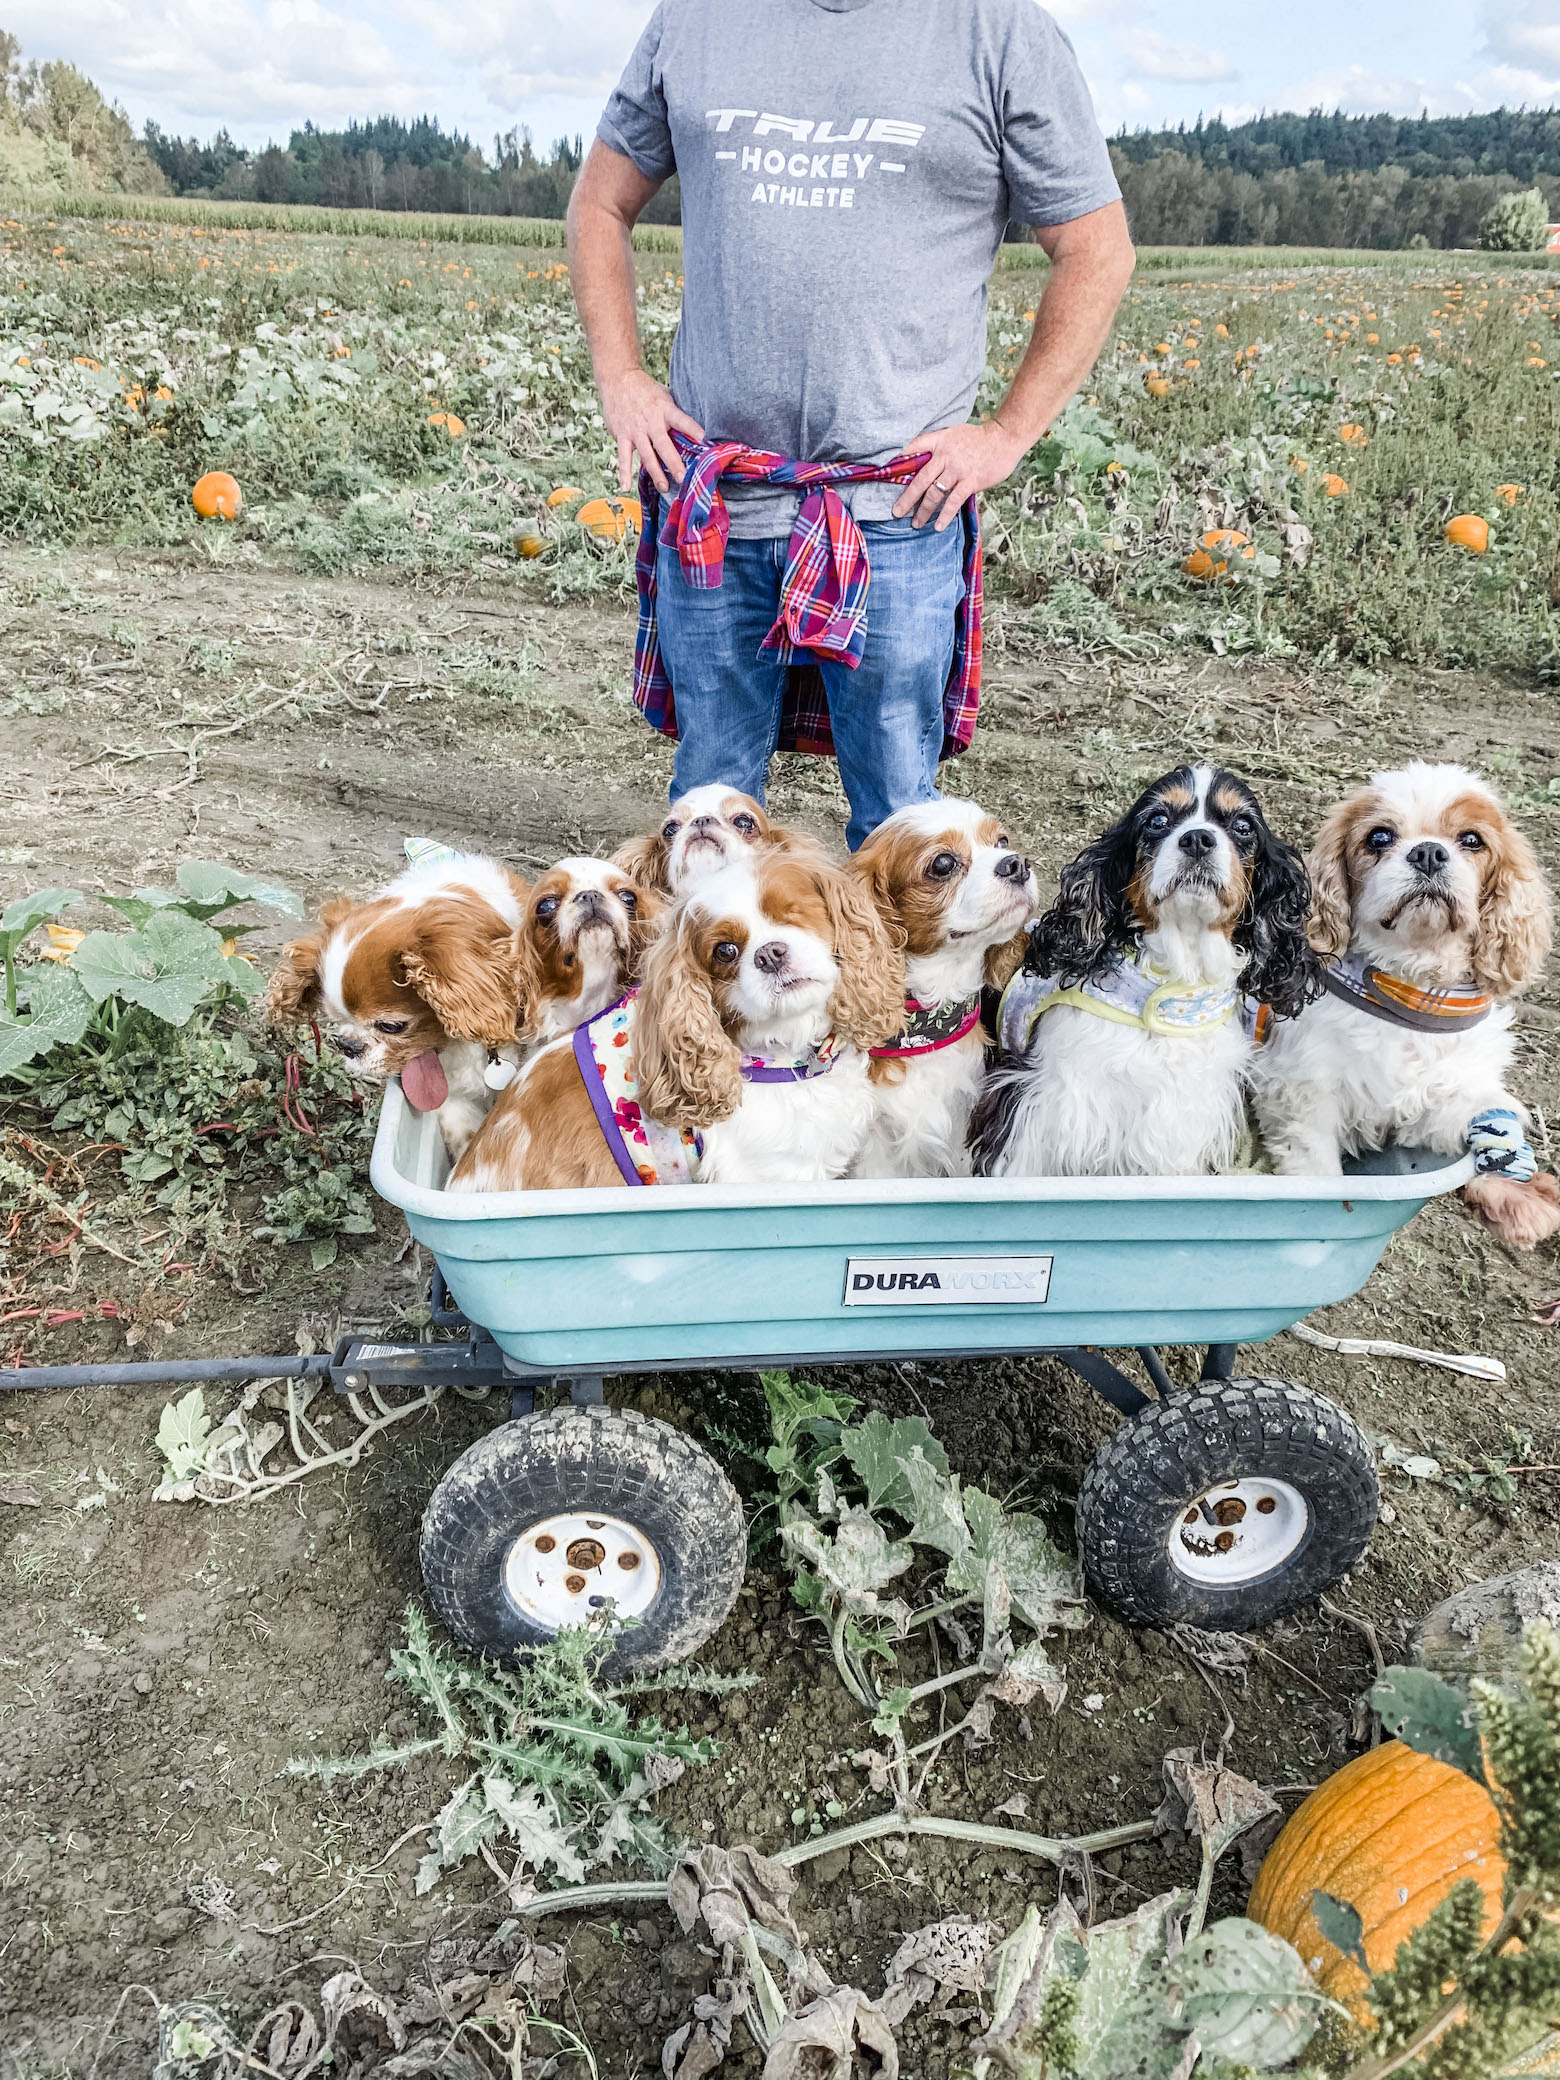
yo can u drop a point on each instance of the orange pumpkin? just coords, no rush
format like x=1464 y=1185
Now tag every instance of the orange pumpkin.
x=453 y=424
x=1212 y=559
x=609 y=519
x=1354 y=436
x=528 y=539
x=1391 y=1833
x=1334 y=485
x=217 y=497
x=1156 y=386
x=1468 y=531
x=564 y=495
x=1508 y=494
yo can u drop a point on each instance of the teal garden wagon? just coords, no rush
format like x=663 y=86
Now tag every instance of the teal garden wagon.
x=1223 y=1504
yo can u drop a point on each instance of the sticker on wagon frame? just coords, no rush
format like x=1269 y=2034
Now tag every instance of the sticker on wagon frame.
x=947 y=1281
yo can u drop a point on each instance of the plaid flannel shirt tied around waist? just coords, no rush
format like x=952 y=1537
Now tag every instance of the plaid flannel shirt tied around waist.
x=823 y=590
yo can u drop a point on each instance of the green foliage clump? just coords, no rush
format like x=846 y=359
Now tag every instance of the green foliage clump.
x=1517 y=223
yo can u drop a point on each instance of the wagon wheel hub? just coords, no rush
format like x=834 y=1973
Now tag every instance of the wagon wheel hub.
x=1238 y=1530
x=568 y=1569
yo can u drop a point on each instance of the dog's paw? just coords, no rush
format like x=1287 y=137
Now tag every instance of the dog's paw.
x=1519 y=1214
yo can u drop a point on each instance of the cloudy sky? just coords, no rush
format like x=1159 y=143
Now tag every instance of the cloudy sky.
x=261 y=66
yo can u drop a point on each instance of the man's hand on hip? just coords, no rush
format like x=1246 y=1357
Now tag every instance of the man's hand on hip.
x=961 y=460
x=640 y=414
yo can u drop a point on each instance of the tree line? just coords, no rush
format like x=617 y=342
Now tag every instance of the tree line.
x=387 y=164
x=1173 y=198
x=1521 y=142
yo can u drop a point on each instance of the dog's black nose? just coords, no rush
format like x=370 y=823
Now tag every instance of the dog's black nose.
x=704 y=823
x=1198 y=842
x=1012 y=866
x=1428 y=858
x=350 y=1048
x=770 y=959
x=591 y=899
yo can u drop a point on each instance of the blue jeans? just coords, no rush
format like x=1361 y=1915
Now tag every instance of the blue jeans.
x=886 y=716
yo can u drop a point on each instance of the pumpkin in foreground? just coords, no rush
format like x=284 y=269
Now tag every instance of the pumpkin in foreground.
x=216 y=496
x=1391 y=1833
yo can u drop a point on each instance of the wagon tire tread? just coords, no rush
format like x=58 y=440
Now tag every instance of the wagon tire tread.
x=1162 y=1458
x=618 y=1461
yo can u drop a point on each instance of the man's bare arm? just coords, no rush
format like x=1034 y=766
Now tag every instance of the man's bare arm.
x=1091 y=264
x=639 y=411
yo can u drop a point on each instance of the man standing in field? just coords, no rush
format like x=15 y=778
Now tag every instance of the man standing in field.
x=847 y=168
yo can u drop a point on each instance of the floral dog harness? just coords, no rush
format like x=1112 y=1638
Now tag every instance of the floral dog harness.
x=928 y=1027
x=645 y=1151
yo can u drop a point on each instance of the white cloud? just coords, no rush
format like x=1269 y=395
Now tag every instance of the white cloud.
x=550 y=47
x=241 y=63
x=1153 y=56
x=1524 y=36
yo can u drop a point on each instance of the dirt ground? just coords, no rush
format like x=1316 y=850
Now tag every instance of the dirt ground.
x=160 y=1663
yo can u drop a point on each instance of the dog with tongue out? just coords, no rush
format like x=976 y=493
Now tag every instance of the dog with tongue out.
x=419 y=982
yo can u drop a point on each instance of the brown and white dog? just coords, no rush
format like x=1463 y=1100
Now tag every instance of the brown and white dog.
x=955 y=897
x=417 y=982
x=1431 y=912
x=586 y=925
x=706 y=829
x=746 y=1051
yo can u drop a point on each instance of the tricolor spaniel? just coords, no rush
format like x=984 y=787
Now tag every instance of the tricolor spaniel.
x=708 y=828
x=956 y=898
x=1126 y=1039
x=1430 y=911
x=740 y=1059
x=585 y=928
x=416 y=982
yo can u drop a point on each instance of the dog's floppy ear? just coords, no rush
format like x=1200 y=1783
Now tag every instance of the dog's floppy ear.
x=686 y=1065
x=1090 y=922
x=1513 y=935
x=461 y=963
x=868 y=1006
x=1332 y=899
x=1003 y=962
x=293 y=993
x=643 y=860
x=649 y=915
x=1282 y=970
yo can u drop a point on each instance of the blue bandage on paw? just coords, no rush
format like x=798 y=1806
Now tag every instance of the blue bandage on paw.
x=1499 y=1145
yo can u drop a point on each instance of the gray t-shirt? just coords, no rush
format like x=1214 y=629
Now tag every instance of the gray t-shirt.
x=848 y=168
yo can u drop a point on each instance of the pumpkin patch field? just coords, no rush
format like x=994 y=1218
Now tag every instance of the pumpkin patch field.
x=309 y=545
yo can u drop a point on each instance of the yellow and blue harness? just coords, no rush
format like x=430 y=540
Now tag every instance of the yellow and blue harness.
x=1132 y=993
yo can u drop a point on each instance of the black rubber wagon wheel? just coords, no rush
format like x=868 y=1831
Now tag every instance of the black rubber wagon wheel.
x=545 y=1521
x=1227 y=1506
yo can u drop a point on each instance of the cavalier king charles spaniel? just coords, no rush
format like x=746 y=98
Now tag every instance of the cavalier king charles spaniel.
x=585 y=929
x=1127 y=1037
x=741 y=1058
x=416 y=982
x=706 y=829
x=956 y=898
x=1430 y=911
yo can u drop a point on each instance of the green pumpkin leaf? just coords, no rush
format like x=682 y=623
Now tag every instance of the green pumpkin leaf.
x=1430 y=1716
x=58 y=1013
x=1246 y=1994
x=1341 y=1925
x=214 y=888
x=27 y=912
x=169 y=967
x=877 y=1449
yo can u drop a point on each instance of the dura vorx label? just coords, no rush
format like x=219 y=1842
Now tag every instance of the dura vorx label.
x=947 y=1281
